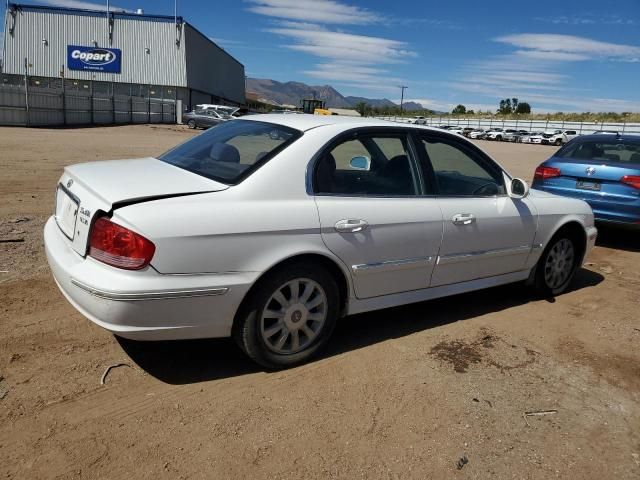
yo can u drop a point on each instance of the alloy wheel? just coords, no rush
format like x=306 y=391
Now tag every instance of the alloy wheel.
x=559 y=263
x=294 y=316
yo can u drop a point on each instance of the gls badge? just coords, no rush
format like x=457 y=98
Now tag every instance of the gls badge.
x=94 y=58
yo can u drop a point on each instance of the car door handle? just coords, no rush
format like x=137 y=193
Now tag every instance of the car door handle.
x=463 y=219
x=350 y=225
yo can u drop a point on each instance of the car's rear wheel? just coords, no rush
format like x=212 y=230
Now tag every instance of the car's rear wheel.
x=191 y=124
x=289 y=316
x=557 y=265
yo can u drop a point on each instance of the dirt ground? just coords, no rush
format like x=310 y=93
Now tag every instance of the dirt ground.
x=401 y=393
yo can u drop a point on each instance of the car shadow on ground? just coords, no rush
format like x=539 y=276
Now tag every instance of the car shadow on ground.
x=620 y=238
x=193 y=361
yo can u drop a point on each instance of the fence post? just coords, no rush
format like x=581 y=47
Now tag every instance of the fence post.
x=93 y=120
x=64 y=101
x=624 y=125
x=26 y=91
x=113 y=103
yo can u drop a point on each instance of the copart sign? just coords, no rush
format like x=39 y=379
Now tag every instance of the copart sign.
x=97 y=59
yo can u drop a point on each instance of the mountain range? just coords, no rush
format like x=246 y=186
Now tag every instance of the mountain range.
x=290 y=93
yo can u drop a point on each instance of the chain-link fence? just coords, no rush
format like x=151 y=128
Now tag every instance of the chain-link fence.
x=582 y=128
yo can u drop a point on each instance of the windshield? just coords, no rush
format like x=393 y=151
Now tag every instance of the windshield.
x=231 y=151
x=626 y=151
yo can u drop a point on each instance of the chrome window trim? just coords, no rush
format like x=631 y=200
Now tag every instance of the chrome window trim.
x=155 y=295
x=389 y=265
x=502 y=252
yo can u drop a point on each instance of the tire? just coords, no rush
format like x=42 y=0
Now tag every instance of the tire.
x=267 y=334
x=557 y=265
x=499 y=138
x=191 y=124
x=558 y=142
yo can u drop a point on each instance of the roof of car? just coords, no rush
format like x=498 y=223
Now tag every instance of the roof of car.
x=603 y=137
x=306 y=122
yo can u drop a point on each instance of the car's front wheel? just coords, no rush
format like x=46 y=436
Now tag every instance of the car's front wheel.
x=558 y=142
x=289 y=316
x=557 y=265
x=191 y=124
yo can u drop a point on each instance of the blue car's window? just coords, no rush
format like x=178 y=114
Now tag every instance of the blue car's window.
x=229 y=152
x=622 y=151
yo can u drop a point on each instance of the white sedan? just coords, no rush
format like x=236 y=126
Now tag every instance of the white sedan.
x=270 y=228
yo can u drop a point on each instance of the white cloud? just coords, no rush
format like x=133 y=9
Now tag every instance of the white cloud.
x=579 y=48
x=345 y=47
x=321 y=11
x=556 y=56
x=587 y=19
x=83 y=5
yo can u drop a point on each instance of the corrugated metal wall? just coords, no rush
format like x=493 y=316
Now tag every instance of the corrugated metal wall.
x=164 y=64
x=48 y=101
x=212 y=70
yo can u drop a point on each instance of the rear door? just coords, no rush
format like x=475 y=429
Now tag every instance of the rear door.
x=375 y=212
x=485 y=232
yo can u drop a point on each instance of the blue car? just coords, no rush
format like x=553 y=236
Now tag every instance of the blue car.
x=603 y=170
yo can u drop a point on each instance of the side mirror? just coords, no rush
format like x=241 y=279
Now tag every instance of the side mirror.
x=519 y=188
x=360 y=163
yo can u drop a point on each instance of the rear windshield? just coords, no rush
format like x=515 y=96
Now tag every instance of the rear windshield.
x=622 y=151
x=231 y=151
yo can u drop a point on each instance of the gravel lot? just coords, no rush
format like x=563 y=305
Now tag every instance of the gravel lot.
x=401 y=393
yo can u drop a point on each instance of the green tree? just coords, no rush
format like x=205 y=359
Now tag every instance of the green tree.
x=523 y=107
x=459 y=110
x=505 y=107
x=362 y=108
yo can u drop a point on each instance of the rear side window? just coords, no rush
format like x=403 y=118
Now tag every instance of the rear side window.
x=605 y=151
x=232 y=150
x=368 y=165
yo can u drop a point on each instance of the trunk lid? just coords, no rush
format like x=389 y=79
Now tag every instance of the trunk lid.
x=594 y=180
x=87 y=189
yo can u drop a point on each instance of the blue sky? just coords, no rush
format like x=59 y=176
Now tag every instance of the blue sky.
x=565 y=55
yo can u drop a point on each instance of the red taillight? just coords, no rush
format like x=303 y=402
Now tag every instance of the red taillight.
x=118 y=246
x=633 y=180
x=542 y=173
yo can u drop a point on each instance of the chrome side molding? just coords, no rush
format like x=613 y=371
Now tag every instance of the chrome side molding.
x=391 y=265
x=463 y=257
x=159 y=295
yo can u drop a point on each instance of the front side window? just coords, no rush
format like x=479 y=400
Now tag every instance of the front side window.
x=232 y=150
x=377 y=165
x=459 y=171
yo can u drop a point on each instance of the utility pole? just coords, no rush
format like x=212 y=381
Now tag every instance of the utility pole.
x=402 y=87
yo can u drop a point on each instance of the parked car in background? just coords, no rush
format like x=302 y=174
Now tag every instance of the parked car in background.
x=420 y=120
x=535 y=138
x=495 y=134
x=514 y=135
x=455 y=129
x=477 y=133
x=558 y=137
x=603 y=170
x=224 y=111
x=205 y=118
x=467 y=130
x=269 y=228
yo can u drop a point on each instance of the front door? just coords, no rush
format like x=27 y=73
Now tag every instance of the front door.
x=375 y=214
x=485 y=231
